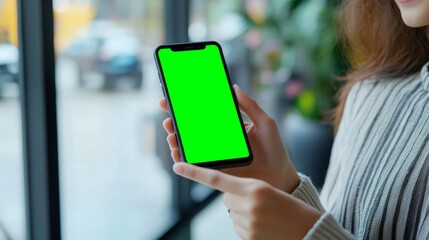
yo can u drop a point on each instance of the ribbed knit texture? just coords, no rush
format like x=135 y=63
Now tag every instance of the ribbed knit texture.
x=377 y=186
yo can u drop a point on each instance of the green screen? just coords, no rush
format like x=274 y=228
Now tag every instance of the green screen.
x=203 y=106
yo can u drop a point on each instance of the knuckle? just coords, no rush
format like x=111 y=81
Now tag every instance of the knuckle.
x=190 y=172
x=171 y=137
x=165 y=122
x=255 y=211
x=214 y=179
x=254 y=104
x=269 y=121
x=259 y=193
x=259 y=189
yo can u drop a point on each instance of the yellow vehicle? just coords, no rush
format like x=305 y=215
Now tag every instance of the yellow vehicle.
x=8 y=22
x=8 y=43
x=70 y=18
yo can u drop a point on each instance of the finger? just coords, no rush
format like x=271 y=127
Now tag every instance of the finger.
x=243 y=233
x=163 y=104
x=239 y=219
x=175 y=155
x=168 y=125
x=247 y=125
x=234 y=202
x=249 y=107
x=212 y=178
x=248 y=128
x=172 y=141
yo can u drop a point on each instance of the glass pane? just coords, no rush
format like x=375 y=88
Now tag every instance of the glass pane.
x=12 y=201
x=221 y=21
x=284 y=54
x=113 y=184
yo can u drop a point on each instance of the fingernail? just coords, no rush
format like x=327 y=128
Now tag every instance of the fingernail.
x=179 y=169
x=236 y=86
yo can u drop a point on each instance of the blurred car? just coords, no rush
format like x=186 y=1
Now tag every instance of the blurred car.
x=115 y=55
x=8 y=64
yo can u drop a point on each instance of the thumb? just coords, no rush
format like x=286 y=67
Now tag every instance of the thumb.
x=249 y=107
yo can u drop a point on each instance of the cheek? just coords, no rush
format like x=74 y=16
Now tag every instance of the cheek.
x=416 y=13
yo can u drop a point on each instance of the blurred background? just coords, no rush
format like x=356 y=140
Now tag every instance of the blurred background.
x=115 y=177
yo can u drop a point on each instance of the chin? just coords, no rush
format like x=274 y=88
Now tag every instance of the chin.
x=416 y=15
x=414 y=25
x=414 y=22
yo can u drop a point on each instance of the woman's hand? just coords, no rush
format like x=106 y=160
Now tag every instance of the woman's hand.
x=258 y=210
x=270 y=159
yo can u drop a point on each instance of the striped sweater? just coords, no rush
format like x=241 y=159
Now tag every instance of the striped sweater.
x=377 y=186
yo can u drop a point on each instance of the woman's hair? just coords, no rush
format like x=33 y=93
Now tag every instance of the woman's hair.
x=378 y=44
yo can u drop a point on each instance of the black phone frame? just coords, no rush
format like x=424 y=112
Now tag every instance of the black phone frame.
x=224 y=163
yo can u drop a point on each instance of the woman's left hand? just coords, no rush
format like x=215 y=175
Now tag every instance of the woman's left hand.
x=258 y=210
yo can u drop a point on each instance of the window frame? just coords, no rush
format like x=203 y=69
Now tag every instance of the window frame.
x=37 y=91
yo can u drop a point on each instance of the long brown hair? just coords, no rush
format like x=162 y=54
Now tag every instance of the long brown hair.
x=378 y=43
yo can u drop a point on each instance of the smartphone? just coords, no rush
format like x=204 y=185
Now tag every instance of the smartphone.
x=202 y=105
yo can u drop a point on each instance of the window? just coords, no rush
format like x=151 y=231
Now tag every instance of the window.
x=219 y=21
x=113 y=185
x=12 y=205
x=93 y=112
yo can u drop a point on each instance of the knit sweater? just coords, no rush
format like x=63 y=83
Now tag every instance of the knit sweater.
x=377 y=185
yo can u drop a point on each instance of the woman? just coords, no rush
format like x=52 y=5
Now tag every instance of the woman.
x=377 y=185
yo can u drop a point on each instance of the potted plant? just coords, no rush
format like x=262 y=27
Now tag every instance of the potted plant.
x=307 y=52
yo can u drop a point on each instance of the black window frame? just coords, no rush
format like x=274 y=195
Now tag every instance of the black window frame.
x=39 y=118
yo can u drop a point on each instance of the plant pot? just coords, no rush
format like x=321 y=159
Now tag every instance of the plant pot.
x=309 y=144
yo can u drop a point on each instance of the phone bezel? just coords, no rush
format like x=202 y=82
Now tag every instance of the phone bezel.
x=225 y=163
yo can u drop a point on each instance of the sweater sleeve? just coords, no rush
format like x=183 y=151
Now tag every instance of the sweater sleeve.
x=327 y=226
x=308 y=193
